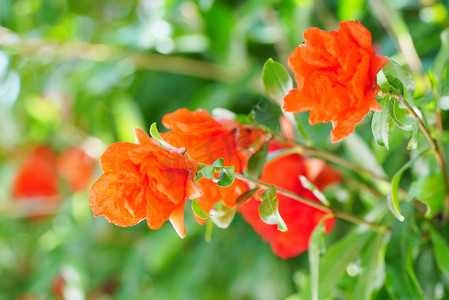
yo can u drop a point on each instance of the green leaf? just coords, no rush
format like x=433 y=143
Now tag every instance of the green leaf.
x=392 y=198
x=429 y=190
x=199 y=212
x=398 y=77
x=316 y=192
x=333 y=263
x=155 y=134
x=226 y=177
x=441 y=250
x=401 y=281
x=208 y=172
x=370 y=261
x=401 y=117
x=380 y=124
x=413 y=143
x=442 y=59
x=268 y=209
x=222 y=216
x=316 y=247
x=276 y=80
x=257 y=162
x=246 y=195
x=218 y=163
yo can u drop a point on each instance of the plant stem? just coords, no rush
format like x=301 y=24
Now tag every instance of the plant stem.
x=434 y=145
x=34 y=47
x=336 y=212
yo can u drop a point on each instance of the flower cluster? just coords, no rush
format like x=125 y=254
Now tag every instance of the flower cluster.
x=335 y=74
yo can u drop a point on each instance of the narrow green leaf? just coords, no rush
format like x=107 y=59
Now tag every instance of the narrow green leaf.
x=199 y=212
x=442 y=59
x=155 y=134
x=429 y=190
x=392 y=198
x=276 y=80
x=257 y=162
x=226 y=177
x=401 y=117
x=398 y=77
x=413 y=143
x=401 y=281
x=334 y=262
x=380 y=124
x=441 y=250
x=222 y=216
x=316 y=192
x=316 y=247
x=370 y=261
x=246 y=195
x=268 y=209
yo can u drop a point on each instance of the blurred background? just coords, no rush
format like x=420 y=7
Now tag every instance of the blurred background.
x=76 y=76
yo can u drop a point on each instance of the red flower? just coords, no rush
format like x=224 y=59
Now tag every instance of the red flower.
x=207 y=139
x=300 y=218
x=144 y=181
x=336 y=77
x=36 y=182
x=76 y=167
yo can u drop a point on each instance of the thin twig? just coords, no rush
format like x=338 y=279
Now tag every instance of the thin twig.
x=33 y=47
x=434 y=145
x=336 y=212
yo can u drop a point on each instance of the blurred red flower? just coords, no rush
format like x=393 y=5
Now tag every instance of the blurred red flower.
x=36 y=182
x=336 y=77
x=300 y=218
x=76 y=167
x=144 y=181
x=207 y=139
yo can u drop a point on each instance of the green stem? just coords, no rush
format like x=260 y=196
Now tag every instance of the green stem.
x=336 y=212
x=434 y=145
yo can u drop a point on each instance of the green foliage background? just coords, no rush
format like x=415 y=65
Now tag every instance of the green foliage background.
x=76 y=71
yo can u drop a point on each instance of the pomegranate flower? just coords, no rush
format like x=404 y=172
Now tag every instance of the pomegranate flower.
x=144 y=181
x=335 y=74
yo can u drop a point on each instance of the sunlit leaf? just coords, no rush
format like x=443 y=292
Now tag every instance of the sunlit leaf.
x=316 y=248
x=380 y=124
x=155 y=134
x=199 y=212
x=226 y=176
x=268 y=209
x=316 y=192
x=398 y=77
x=431 y=191
x=276 y=80
x=401 y=117
x=222 y=216
x=393 y=198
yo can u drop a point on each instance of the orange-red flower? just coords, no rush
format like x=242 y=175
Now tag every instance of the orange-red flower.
x=300 y=218
x=336 y=77
x=36 y=182
x=144 y=181
x=76 y=167
x=207 y=139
